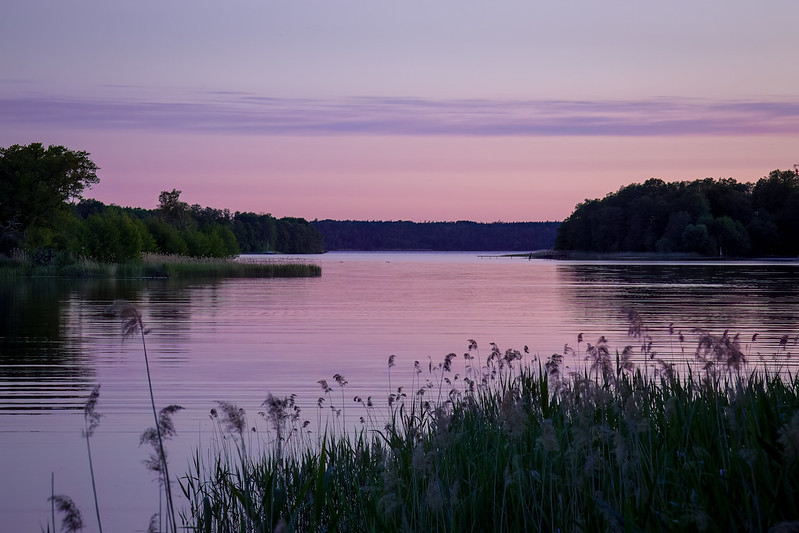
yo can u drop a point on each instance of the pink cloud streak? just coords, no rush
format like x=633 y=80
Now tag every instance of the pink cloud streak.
x=239 y=113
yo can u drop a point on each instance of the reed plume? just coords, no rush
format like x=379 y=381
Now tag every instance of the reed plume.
x=132 y=324
x=233 y=418
x=91 y=419
x=72 y=520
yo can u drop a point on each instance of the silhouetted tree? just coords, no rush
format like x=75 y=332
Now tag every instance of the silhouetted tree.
x=35 y=184
x=172 y=208
x=709 y=217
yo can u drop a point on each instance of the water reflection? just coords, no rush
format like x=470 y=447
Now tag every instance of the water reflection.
x=238 y=340
x=55 y=332
x=41 y=362
x=57 y=339
x=752 y=300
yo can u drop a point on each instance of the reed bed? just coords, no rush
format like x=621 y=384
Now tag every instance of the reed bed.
x=516 y=445
x=159 y=266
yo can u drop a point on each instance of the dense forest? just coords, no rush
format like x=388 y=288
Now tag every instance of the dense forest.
x=462 y=235
x=111 y=233
x=707 y=217
x=42 y=213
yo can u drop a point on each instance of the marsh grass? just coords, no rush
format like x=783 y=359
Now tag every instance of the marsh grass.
x=629 y=442
x=523 y=444
x=157 y=266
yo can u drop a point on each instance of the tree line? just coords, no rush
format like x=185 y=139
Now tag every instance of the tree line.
x=444 y=236
x=708 y=217
x=43 y=213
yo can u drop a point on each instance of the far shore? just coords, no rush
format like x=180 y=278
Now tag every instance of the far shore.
x=572 y=255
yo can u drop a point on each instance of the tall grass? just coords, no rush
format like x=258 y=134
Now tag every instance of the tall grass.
x=133 y=325
x=519 y=445
x=91 y=418
x=158 y=266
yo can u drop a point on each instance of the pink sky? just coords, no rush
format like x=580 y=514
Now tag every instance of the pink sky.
x=416 y=111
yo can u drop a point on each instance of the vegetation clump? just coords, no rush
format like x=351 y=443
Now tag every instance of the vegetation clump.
x=45 y=220
x=704 y=217
x=158 y=266
x=519 y=445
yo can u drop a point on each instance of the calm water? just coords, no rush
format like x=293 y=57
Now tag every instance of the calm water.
x=238 y=340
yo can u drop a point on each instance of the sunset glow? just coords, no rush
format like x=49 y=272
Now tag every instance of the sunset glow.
x=412 y=111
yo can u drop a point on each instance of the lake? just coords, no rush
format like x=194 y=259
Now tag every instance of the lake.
x=238 y=340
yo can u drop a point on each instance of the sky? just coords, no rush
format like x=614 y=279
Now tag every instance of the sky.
x=414 y=110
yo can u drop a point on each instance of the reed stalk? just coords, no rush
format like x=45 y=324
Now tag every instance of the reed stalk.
x=91 y=418
x=609 y=448
x=132 y=324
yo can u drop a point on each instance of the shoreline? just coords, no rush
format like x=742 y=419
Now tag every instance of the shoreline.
x=570 y=255
x=163 y=267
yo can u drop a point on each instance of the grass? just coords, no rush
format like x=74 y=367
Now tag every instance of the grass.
x=158 y=266
x=503 y=443
x=518 y=446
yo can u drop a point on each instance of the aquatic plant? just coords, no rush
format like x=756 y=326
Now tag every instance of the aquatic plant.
x=154 y=436
x=71 y=520
x=91 y=419
x=635 y=442
x=157 y=266
x=132 y=324
x=615 y=446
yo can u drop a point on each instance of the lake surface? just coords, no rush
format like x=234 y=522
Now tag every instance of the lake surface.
x=238 y=340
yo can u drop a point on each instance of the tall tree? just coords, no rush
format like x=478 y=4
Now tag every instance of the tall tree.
x=35 y=183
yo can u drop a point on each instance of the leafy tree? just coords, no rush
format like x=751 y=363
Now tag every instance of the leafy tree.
x=774 y=191
x=172 y=208
x=113 y=236
x=727 y=197
x=255 y=233
x=197 y=243
x=707 y=216
x=230 y=247
x=672 y=239
x=776 y=199
x=731 y=236
x=35 y=183
x=696 y=238
x=209 y=215
x=88 y=206
x=70 y=235
x=168 y=239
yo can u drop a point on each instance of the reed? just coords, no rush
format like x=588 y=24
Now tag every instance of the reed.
x=184 y=267
x=133 y=325
x=71 y=519
x=91 y=419
x=157 y=266
x=523 y=444
x=627 y=443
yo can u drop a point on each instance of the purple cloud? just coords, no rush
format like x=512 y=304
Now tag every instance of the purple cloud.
x=231 y=112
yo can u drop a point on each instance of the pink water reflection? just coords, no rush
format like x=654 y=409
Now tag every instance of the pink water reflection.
x=238 y=340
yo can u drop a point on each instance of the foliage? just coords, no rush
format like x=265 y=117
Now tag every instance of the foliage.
x=172 y=208
x=160 y=266
x=706 y=217
x=461 y=235
x=180 y=229
x=527 y=447
x=35 y=183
